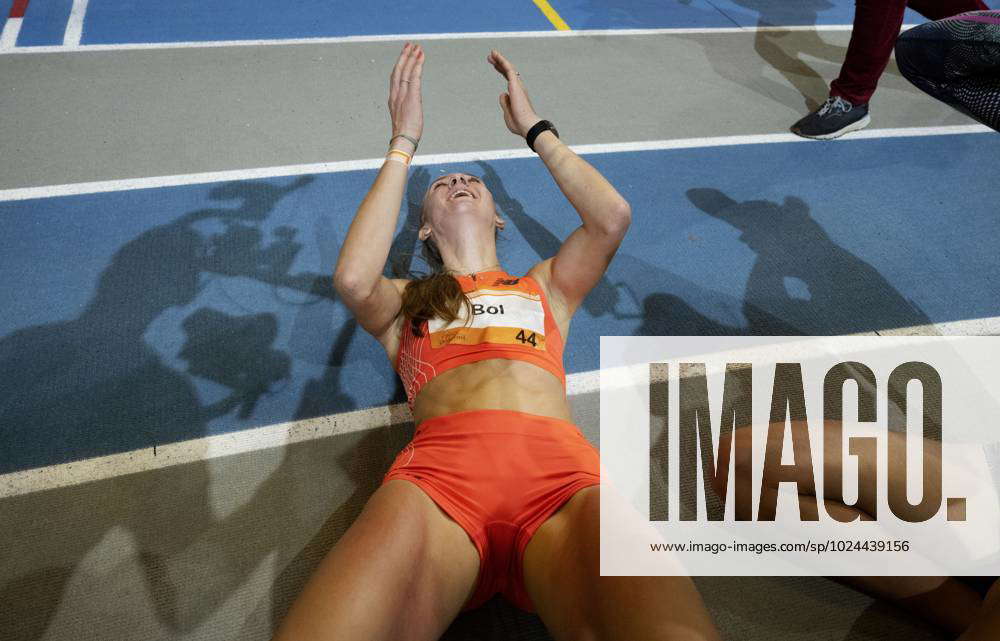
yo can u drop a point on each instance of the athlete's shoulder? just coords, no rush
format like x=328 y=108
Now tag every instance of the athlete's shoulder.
x=541 y=270
x=400 y=283
x=541 y=274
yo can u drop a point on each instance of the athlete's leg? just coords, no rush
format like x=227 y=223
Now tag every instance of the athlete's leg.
x=562 y=577
x=943 y=601
x=403 y=570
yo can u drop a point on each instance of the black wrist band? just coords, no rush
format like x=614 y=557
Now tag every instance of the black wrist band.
x=540 y=126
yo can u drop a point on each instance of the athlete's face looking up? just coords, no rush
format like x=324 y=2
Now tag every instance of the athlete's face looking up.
x=455 y=201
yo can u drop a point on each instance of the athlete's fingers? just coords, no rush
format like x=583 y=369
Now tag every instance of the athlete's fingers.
x=394 y=74
x=504 y=66
x=407 y=73
x=404 y=69
x=494 y=59
x=508 y=109
x=508 y=113
x=515 y=87
x=394 y=77
x=418 y=71
x=405 y=107
x=412 y=85
x=505 y=107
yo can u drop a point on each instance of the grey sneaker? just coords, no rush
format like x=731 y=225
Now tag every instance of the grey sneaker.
x=834 y=118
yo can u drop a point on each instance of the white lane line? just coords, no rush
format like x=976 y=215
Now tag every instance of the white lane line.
x=284 y=434
x=75 y=189
x=8 y=39
x=200 y=449
x=74 y=27
x=209 y=447
x=473 y=35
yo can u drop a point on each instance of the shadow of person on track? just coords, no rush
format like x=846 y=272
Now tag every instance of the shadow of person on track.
x=783 y=50
x=801 y=276
x=780 y=49
x=670 y=315
x=92 y=385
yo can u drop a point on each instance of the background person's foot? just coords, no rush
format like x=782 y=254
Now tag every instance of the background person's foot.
x=833 y=118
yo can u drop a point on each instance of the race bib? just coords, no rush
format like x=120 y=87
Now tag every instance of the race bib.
x=509 y=317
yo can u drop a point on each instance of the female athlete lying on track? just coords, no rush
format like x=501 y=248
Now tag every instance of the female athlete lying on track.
x=498 y=491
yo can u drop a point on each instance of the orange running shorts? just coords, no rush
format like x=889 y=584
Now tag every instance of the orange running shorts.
x=499 y=474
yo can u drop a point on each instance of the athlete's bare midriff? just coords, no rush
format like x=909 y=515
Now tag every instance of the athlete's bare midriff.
x=497 y=383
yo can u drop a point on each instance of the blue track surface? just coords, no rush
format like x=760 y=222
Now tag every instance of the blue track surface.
x=44 y=23
x=5 y=6
x=129 y=21
x=206 y=309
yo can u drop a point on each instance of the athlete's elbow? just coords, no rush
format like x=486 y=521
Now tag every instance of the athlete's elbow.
x=618 y=220
x=351 y=285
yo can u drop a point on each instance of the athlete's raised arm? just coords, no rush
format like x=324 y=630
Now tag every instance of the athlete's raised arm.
x=585 y=254
x=374 y=299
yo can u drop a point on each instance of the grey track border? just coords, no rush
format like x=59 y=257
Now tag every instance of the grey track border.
x=112 y=115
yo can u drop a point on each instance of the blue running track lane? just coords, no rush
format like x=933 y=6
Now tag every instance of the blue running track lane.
x=127 y=21
x=44 y=23
x=112 y=21
x=150 y=316
x=5 y=6
x=665 y=14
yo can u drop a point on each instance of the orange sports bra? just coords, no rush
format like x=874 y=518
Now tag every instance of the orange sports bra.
x=511 y=319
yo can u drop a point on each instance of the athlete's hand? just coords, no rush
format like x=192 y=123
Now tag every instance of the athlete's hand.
x=518 y=113
x=405 y=107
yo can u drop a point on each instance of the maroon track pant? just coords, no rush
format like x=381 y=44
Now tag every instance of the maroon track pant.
x=876 y=25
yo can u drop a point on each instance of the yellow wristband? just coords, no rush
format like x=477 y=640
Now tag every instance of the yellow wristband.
x=395 y=153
